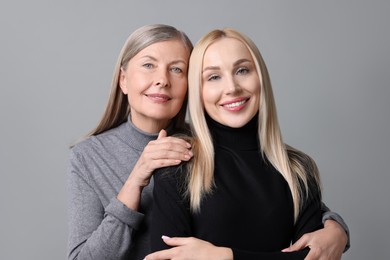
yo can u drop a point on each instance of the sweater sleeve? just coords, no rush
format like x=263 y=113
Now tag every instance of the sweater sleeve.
x=96 y=232
x=308 y=220
x=170 y=214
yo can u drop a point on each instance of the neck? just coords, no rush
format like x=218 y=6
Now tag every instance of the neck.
x=149 y=125
x=242 y=138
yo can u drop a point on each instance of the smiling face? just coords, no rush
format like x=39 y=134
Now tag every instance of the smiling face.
x=231 y=85
x=155 y=81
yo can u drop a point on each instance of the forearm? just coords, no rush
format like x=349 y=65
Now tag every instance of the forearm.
x=111 y=239
x=130 y=194
x=333 y=216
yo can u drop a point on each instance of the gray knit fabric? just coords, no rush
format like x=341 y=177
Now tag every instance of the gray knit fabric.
x=100 y=226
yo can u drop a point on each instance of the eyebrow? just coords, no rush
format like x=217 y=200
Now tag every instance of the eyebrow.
x=154 y=59
x=238 y=62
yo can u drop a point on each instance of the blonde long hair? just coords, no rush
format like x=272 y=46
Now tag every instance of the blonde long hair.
x=118 y=109
x=296 y=167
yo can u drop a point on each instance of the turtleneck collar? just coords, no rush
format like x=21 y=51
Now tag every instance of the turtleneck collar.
x=138 y=138
x=243 y=138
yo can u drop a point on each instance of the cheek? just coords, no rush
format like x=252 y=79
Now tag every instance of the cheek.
x=255 y=89
x=211 y=95
x=208 y=101
x=178 y=82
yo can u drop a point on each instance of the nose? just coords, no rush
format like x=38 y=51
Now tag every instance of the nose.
x=162 y=79
x=231 y=86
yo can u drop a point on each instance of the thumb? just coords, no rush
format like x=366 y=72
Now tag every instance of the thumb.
x=162 y=134
x=298 y=245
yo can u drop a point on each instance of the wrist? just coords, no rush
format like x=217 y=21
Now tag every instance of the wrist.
x=130 y=194
x=225 y=253
x=342 y=234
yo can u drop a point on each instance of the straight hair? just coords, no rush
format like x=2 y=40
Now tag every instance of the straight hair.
x=118 y=109
x=297 y=168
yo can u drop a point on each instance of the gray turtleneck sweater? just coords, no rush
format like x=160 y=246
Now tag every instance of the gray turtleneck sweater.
x=100 y=226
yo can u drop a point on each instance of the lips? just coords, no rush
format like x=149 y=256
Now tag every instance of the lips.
x=236 y=104
x=159 y=98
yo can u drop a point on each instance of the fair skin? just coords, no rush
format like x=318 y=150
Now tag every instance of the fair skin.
x=155 y=81
x=322 y=246
x=231 y=86
x=231 y=96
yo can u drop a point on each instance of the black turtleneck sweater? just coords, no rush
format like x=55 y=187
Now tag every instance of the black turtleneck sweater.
x=250 y=209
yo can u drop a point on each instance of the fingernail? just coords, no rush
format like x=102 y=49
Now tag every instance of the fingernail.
x=165 y=237
x=188 y=145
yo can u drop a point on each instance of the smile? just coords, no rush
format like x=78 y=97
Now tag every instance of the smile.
x=161 y=97
x=236 y=104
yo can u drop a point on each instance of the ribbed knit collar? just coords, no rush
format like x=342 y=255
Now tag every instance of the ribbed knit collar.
x=243 y=138
x=138 y=138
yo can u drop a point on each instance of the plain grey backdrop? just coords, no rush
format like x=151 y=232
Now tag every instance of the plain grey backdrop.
x=329 y=62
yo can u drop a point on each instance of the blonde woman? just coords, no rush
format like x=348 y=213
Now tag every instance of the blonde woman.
x=245 y=192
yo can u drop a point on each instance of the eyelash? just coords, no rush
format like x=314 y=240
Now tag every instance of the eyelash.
x=213 y=77
x=176 y=70
x=148 y=65
x=173 y=69
x=242 y=71
x=239 y=71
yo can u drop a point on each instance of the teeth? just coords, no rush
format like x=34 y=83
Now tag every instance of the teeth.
x=235 y=104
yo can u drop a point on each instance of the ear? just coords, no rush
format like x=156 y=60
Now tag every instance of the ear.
x=123 y=81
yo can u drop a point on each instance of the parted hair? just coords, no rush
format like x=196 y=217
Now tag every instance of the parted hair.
x=117 y=109
x=298 y=169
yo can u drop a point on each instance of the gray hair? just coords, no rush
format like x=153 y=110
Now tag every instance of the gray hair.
x=118 y=109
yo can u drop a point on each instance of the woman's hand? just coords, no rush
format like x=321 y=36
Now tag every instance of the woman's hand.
x=325 y=244
x=190 y=248
x=162 y=152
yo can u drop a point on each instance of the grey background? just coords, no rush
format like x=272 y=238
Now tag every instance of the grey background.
x=328 y=60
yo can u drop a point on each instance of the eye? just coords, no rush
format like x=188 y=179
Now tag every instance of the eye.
x=213 y=77
x=242 y=71
x=176 y=70
x=148 y=65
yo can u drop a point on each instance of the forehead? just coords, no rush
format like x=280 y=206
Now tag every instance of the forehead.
x=171 y=49
x=226 y=50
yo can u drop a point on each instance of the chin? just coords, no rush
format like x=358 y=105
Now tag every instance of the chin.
x=235 y=124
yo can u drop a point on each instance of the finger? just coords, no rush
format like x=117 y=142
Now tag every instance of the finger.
x=155 y=148
x=175 y=241
x=166 y=151
x=163 y=157
x=162 y=134
x=160 y=255
x=298 y=245
x=163 y=138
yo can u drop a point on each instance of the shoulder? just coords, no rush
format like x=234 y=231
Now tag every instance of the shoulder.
x=173 y=177
x=95 y=143
x=299 y=159
x=303 y=163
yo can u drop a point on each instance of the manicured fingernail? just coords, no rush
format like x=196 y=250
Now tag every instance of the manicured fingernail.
x=165 y=237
